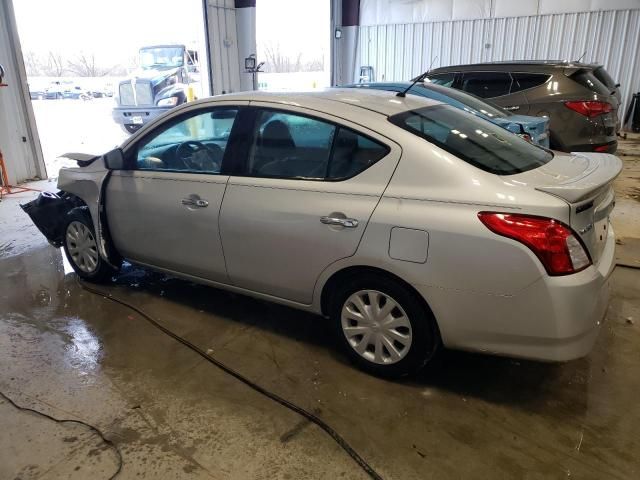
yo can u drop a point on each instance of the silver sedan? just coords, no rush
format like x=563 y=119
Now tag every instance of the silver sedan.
x=408 y=223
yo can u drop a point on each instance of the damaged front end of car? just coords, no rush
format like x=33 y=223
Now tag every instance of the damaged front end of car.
x=48 y=212
x=80 y=187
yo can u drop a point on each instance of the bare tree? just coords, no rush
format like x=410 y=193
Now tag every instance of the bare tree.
x=86 y=66
x=54 y=65
x=276 y=61
x=32 y=64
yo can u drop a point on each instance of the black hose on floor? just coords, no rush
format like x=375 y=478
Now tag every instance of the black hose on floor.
x=285 y=403
x=626 y=265
x=95 y=430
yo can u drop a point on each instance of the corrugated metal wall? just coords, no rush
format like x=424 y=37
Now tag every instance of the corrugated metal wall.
x=400 y=52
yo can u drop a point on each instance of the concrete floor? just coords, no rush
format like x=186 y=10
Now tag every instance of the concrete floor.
x=73 y=354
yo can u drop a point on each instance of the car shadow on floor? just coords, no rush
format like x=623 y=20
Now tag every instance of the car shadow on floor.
x=497 y=380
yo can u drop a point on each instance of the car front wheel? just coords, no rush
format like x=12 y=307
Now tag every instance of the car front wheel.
x=383 y=326
x=81 y=247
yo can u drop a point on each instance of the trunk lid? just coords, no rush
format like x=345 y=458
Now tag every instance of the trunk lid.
x=585 y=182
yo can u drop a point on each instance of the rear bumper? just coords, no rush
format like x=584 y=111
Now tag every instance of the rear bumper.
x=125 y=115
x=604 y=147
x=553 y=319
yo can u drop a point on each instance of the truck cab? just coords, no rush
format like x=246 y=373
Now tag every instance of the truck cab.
x=162 y=81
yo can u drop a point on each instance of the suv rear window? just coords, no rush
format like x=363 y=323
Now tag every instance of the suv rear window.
x=604 y=77
x=472 y=139
x=587 y=79
x=524 y=81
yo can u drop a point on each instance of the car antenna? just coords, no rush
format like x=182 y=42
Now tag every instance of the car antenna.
x=581 y=56
x=417 y=79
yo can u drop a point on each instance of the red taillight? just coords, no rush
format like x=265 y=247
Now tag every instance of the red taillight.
x=601 y=148
x=589 y=108
x=553 y=242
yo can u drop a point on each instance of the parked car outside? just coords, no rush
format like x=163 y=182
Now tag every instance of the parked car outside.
x=535 y=129
x=407 y=222
x=582 y=110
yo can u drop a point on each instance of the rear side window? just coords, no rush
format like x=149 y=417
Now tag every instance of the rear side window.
x=472 y=139
x=524 y=81
x=352 y=154
x=587 y=79
x=291 y=146
x=444 y=79
x=487 y=84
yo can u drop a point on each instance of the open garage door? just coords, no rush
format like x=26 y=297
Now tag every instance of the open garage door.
x=19 y=142
x=98 y=73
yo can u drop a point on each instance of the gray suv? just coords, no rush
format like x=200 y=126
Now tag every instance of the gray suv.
x=580 y=99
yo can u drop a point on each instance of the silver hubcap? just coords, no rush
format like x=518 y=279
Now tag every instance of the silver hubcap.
x=82 y=247
x=376 y=326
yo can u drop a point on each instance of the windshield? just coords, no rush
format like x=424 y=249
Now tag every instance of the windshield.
x=469 y=100
x=161 y=57
x=473 y=139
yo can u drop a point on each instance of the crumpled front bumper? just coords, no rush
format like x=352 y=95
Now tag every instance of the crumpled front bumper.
x=47 y=213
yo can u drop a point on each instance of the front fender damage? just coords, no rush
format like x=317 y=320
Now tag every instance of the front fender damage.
x=79 y=187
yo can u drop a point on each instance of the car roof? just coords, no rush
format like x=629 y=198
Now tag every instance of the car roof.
x=379 y=101
x=520 y=65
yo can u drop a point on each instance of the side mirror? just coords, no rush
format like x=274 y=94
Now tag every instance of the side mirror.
x=1 y=74
x=114 y=160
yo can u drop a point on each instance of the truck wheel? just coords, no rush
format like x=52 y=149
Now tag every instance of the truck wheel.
x=131 y=128
x=81 y=247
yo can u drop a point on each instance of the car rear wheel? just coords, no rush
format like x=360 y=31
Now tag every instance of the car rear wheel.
x=383 y=326
x=81 y=247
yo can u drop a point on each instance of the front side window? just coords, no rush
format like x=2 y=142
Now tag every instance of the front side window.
x=195 y=144
x=487 y=84
x=472 y=139
x=291 y=146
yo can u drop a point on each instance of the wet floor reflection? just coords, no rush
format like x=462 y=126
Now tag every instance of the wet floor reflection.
x=504 y=417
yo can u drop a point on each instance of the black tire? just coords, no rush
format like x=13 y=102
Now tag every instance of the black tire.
x=425 y=338
x=130 y=128
x=102 y=271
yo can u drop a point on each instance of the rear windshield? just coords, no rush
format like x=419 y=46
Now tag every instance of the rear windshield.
x=469 y=100
x=587 y=79
x=602 y=75
x=473 y=139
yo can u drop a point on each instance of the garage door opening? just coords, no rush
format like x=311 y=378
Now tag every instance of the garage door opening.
x=293 y=40
x=96 y=74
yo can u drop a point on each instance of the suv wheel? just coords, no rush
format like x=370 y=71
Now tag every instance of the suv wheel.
x=382 y=326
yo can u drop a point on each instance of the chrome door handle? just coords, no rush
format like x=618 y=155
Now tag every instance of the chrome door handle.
x=196 y=203
x=341 y=222
x=512 y=108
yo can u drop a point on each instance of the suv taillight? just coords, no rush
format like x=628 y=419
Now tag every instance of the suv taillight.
x=589 y=108
x=554 y=243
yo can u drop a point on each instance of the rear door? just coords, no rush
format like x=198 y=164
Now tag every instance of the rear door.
x=302 y=199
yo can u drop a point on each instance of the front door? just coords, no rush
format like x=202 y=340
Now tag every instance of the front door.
x=302 y=202
x=164 y=211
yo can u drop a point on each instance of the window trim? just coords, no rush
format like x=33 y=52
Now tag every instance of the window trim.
x=131 y=157
x=244 y=160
